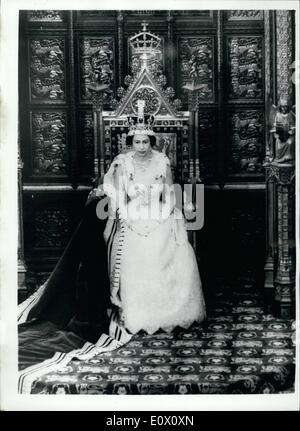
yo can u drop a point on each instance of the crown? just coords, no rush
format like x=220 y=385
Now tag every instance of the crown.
x=141 y=124
x=145 y=44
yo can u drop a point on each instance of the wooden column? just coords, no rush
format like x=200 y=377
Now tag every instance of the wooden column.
x=197 y=152
x=285 y=173
x=283 y=176
x=280 y=185
x=72 y=104
x=220 y=98
x=120 y=21
x=270 y=189
x=193 y=102
x=191 y=138
x=171 y=49
x=194 y=171
x=97 y=99
x=22 y=291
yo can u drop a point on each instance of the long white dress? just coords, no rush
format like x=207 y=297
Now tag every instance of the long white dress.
x=155 y=280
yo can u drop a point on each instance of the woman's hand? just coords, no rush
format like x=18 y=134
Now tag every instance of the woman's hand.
x=189 y=210
x=96 y=192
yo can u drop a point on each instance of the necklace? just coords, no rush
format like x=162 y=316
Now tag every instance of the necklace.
x=141 y=164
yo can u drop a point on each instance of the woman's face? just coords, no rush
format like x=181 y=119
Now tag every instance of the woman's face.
x=141 y=144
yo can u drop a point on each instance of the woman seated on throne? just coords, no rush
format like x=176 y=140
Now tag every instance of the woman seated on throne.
x=155 y=281
x=150 y=281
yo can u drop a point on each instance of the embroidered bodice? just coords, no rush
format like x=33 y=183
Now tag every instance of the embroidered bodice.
x=139 y=191
x=146 y=185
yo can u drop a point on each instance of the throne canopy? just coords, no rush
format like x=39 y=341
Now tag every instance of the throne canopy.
x=148 y=84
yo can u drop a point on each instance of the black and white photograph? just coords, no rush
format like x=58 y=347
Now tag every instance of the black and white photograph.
x=149 y=203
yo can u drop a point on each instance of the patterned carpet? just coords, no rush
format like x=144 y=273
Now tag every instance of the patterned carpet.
x=239 y=349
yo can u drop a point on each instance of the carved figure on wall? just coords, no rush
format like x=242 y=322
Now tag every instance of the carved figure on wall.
x=45 y=15
x=49 y=142
x=46 y=70
x=245 y=15
x=282 y=133
x=247 y=142
x=196 y=57
x=96 y=66
x=245 y=60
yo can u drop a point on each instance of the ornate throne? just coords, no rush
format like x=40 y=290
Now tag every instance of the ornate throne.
x=147 y=83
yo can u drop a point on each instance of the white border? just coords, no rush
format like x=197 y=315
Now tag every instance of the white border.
x=10 y=399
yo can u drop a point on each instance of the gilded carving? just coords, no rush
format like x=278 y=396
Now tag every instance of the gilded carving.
x=167 y=143
x=151 y=98
x=96 y=13
x=97 y=66
x=144 y=12
x=196 y=65
x=241 y=14
x=247 y=142
x=47 y=70
x=44 y=16
x=267 y=52
x=193 y=13
x=284 y=46
x=281 y=148
x=49 y=143
x=285 y=277
x=246 y=68
x=51 y=227
x=146 y=49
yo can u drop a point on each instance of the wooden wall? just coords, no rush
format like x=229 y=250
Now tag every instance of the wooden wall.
x=61 y=52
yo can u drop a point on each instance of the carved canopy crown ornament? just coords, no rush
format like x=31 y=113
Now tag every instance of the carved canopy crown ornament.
x=146 y=105
x=146 y=84
x=145 y=44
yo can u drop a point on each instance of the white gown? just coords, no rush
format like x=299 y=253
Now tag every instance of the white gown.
x=155 y=280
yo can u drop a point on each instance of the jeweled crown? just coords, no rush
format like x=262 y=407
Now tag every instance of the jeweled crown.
x=141 y=125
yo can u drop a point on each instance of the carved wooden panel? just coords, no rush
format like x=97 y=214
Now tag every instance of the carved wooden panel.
x=197 y=40
x=140 y=13
x=86 y=158
x=247 y=225
x=96 y=13
x=245 y=61
x=234 y=217
x=243 y=15
x=196 y=64
x=45 y=16
x=51 y=227
x=49 y=143
x=47 y=70
x=246 y=134
x=50 y=218
x=246 y=232
x=207 y=144
x=197 y=13
x=96 y=66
